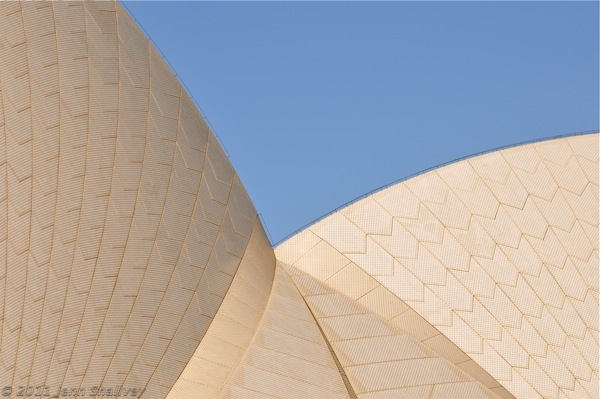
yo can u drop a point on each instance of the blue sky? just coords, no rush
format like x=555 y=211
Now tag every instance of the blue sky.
x=318 y=103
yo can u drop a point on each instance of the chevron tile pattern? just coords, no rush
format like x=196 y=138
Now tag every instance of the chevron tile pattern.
x=497 y=254
x=381 y=359
x=133 y=263
x=122 y=221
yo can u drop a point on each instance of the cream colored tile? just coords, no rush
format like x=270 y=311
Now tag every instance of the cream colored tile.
x=575 y=242
x=378 y=349
x=538 y=182
x=322 y=261
x=591 y=386
x=294 y=346
x=186 y=389
x=587 y=270
x=369 y=216
x=529 y=220
x=330 y=305
x=479 y=374
x=572 y=359
x=555 y=151
x=570 y=280
x=354 y=326
x=590 y=168
x=450 y=252
x=399 y=201
x=499 y=268
x=523 y=158
x=292 y=249
x=493 y=363
x=585 y=146
x=403 y=283
x=429 y=188
x=529 y=338
x=500 y=179
x=546 y=288
x=469 y=389
x=510 y=350
x=481 y=201
x=587 y=347
x=352 y=281
x=326 y=378
x=452 y=213
x=569 y=177
x=501 y=229
x=376 y=261
x=475 y=240
x=503 y=309
x=290 y=306
x=432 y=308
x=577 y=392
x=341 y=233
x=218 y=351
x=482 y=321
x=556 y=211
x=398 y=374
x=476 y=280
x=568 y=318
x=400 y=244
x=426 y=268
x=231 y=391
x=520 y=387
x=585 y=205
x=292 y=326
x=548 y=328
x=446 y=348
x=109 y=226
x=524 y=297
x=463 y=336
x=273 y=384
x=502 y=392
x=592 y=234
x=308 y=285
x=416 y=392
x=587 y=310
x=469 y=188
x=454 y=294
x=383 y=302
x=426 y=228
x=555 y=369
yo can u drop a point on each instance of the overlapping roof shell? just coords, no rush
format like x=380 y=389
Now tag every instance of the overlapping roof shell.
x=132 y=258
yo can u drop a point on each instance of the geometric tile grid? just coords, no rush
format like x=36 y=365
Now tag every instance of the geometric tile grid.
x=381 y=359
x=131 y=255
x=288 y=356
x=497 y=254
x=234 y=327
x=122 y=222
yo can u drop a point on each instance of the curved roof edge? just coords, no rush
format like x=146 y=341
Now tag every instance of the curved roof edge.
x=405 y=178
x=123 y=4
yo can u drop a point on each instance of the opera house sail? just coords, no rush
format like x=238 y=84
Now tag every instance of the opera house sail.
x=133 y=263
